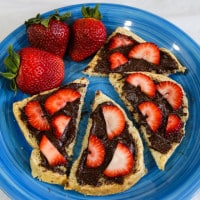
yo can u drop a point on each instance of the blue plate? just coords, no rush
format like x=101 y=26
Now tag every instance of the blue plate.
x=180 y=180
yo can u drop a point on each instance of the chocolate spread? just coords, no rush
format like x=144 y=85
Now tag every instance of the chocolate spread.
x=167 y=63
x=93 y=176
x=159 y=140
x=70 y=109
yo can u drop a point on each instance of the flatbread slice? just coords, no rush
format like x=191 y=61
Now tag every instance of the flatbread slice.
x=159 y=106
x=111 y=158
x=123 y=41
x=49 y=122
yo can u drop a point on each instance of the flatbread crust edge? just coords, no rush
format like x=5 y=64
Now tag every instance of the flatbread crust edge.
x=43 y=174
x=19 y=105
x=89 y=70
x=161 y=159
x=37 y=170
x=129 y=180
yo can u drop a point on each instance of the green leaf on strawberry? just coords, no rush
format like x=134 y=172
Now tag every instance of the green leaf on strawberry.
x=88 y=34
x=45 y=21
x=88 y=12
x=12 y=61
x=50 y=34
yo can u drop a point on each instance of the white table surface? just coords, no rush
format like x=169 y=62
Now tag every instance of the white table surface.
x=185 y=14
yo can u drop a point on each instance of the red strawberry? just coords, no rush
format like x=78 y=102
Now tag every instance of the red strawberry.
x=116 y=59
x=115 y=120
x=33 y=70
x=59 y=124
x=153 y=114
x=174 y=123
x=122 y=162
x=172 y=92
x=147 y=51
x=35 y=116
x=96 y=152
x=50 y=34
x=88 y=34
x=53 y=156
x=59 y=99
x=120 y=41
x=144 y=82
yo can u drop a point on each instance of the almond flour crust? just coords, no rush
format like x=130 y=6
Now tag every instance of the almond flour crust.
x=37 y=170
x=90 y=69
x=129 y=180
x=117 y=82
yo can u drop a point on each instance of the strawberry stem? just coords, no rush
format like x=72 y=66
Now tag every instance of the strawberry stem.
x=11 y=62
x=45 y=21
x=88 y=12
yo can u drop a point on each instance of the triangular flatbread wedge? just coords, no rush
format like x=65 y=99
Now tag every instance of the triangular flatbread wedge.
x=159 y=106
x=111 y=158
x=118 y=54
x=49 y=122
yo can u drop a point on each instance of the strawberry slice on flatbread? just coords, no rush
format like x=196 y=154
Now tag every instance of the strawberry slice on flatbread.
x=174 y=124
x=122 y=162
x=96 y=152
x=115 y=120
x=172 y=92
x=51 y=153
x=36 y=116
x=117 y=59
x=152 y=113
x=58 y=100
x=147 y=51
x=144 y=82
x=120 y=41
x=59 y=124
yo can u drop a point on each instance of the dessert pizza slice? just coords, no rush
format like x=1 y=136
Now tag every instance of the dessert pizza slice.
x=111 y=159
x=49 y=123
x=160 y=108
x=125 y=51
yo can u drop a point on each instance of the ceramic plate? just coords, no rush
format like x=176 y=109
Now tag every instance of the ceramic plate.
x=180 y=180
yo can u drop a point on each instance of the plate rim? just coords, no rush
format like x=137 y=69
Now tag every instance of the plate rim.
x=7 y=38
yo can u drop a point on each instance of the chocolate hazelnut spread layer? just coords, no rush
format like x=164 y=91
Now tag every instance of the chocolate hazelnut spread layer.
x=159 y=140
x=125 y=51
x=54 y=115
x=112 y=154
x=167 y=63
x=159 y=107
x=69 y=109
x=93 y=176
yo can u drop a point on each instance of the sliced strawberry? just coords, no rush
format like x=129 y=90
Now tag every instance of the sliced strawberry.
x=96 y=152
x=115 y=120
x=174 y=123
x=172 y=92
x=53 y=156
x=144 y=82
x=153 y=114
x=116 y=59
x=36 y=117
x=59 y=99
x=120 y=41
x=122 y=162
x=59 y=124
x=147 y=51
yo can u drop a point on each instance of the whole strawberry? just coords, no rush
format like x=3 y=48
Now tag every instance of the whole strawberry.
x=87 y=34
x=33 y=70
x=50 y=34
